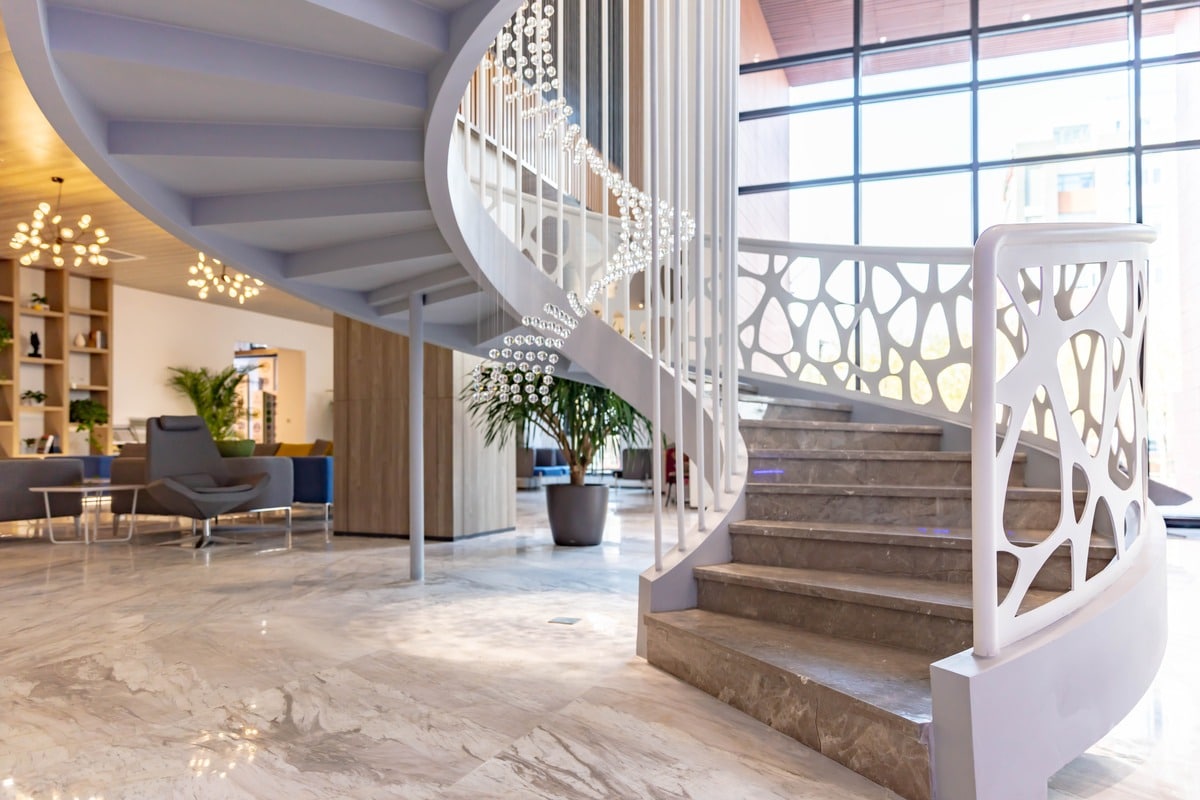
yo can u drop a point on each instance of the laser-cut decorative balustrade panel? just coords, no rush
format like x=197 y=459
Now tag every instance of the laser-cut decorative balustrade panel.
x=889 y=322
x=1073 y=300
x=1065 y=347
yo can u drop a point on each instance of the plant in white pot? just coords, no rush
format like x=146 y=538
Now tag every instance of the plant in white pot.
x=581 y=418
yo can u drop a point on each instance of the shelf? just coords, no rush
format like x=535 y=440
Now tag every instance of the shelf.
x=98 y=351
x=36 y=312
x=38 y=409
x=6 y=383
x=49 y=362
x=87 y=312
x=5 y=298
x=88 y=387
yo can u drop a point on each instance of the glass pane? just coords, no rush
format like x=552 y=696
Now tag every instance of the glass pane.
x=1090 y=112
x=888 y=20
x=1167 y=33
x=919 y=132
x=1001 y=12
x=917 y=67
x=823 y=214
x=1049 y=49
x=1092 y=189
x=814 y=26
x=933 y=211
x=763 y=90
x=763 y=146
x=808 y=83
x=1168 y=181
x=822 y=80
x=1169 y=97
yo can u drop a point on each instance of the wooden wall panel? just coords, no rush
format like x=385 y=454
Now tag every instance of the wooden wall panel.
x=467 y=491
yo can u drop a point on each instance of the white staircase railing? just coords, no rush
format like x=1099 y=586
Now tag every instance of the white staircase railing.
x=599 y=146
x=1056 y=313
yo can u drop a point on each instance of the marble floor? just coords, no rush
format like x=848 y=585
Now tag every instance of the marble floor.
x=321 y=671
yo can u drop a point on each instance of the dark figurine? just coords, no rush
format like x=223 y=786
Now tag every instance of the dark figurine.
x=35 y=342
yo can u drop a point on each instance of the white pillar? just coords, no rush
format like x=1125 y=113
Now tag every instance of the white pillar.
x=416 y=437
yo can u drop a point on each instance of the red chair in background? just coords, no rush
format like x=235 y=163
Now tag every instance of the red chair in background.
x=669 y=481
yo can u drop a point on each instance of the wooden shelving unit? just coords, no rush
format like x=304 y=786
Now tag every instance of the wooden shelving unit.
x=77 y=305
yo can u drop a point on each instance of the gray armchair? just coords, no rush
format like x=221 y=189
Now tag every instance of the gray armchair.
x=187 y=476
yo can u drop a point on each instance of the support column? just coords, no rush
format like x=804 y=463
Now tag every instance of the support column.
x=416 y=437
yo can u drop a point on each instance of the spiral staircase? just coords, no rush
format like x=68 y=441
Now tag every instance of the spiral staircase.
x=311 y=142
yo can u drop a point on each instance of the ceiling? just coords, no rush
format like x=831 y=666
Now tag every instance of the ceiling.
x=31 y=153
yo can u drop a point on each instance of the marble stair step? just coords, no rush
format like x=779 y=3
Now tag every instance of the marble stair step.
x=941 y=506
x=920 y=614
x=870 y=467
x=865 y=706
x=821 y=435
x=942 y=554
x=774 y=408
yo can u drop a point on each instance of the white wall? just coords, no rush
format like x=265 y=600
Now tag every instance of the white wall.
x=154 y=331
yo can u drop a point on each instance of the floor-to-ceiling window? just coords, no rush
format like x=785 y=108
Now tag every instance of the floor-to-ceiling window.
x=926 y=121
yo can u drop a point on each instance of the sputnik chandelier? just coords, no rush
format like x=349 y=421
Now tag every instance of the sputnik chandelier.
x=237 y=285
x=46 y=233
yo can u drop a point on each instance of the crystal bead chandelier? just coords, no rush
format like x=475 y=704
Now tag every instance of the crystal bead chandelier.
x=237 y=285
x=46 y=233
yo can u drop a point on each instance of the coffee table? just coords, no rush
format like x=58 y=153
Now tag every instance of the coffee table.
x=90 y=489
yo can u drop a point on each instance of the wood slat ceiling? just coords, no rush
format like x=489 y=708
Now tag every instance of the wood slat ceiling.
x=31 y=153
x=821 y=25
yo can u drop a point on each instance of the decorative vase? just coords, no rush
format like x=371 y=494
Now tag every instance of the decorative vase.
x=81 y=340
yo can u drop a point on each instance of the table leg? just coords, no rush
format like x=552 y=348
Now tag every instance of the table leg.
x=49 y=519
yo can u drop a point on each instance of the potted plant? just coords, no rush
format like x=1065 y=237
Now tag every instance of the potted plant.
x=87 y=414
x=6 y=336
x=38 y=302
x=581 y=418
x=30 y=444
x=33 y=397
x=217 y=401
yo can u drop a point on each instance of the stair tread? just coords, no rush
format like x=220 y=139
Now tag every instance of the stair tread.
x=957 y=537
x=793 y=402
x=824 y=425
x=888 y=678
x=922 y=595
x=851 y=489
x=878 y=455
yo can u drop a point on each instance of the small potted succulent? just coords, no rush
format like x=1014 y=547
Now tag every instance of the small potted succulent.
x=38 y=302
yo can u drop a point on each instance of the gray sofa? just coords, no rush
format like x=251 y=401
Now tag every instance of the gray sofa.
x=18 y=474
x=278 y=493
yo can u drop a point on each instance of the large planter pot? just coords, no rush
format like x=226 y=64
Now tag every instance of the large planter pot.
x=235 y=448
x=577 y=513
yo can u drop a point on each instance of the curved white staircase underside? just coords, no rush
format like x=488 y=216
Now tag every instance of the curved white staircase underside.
x=287 y=137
